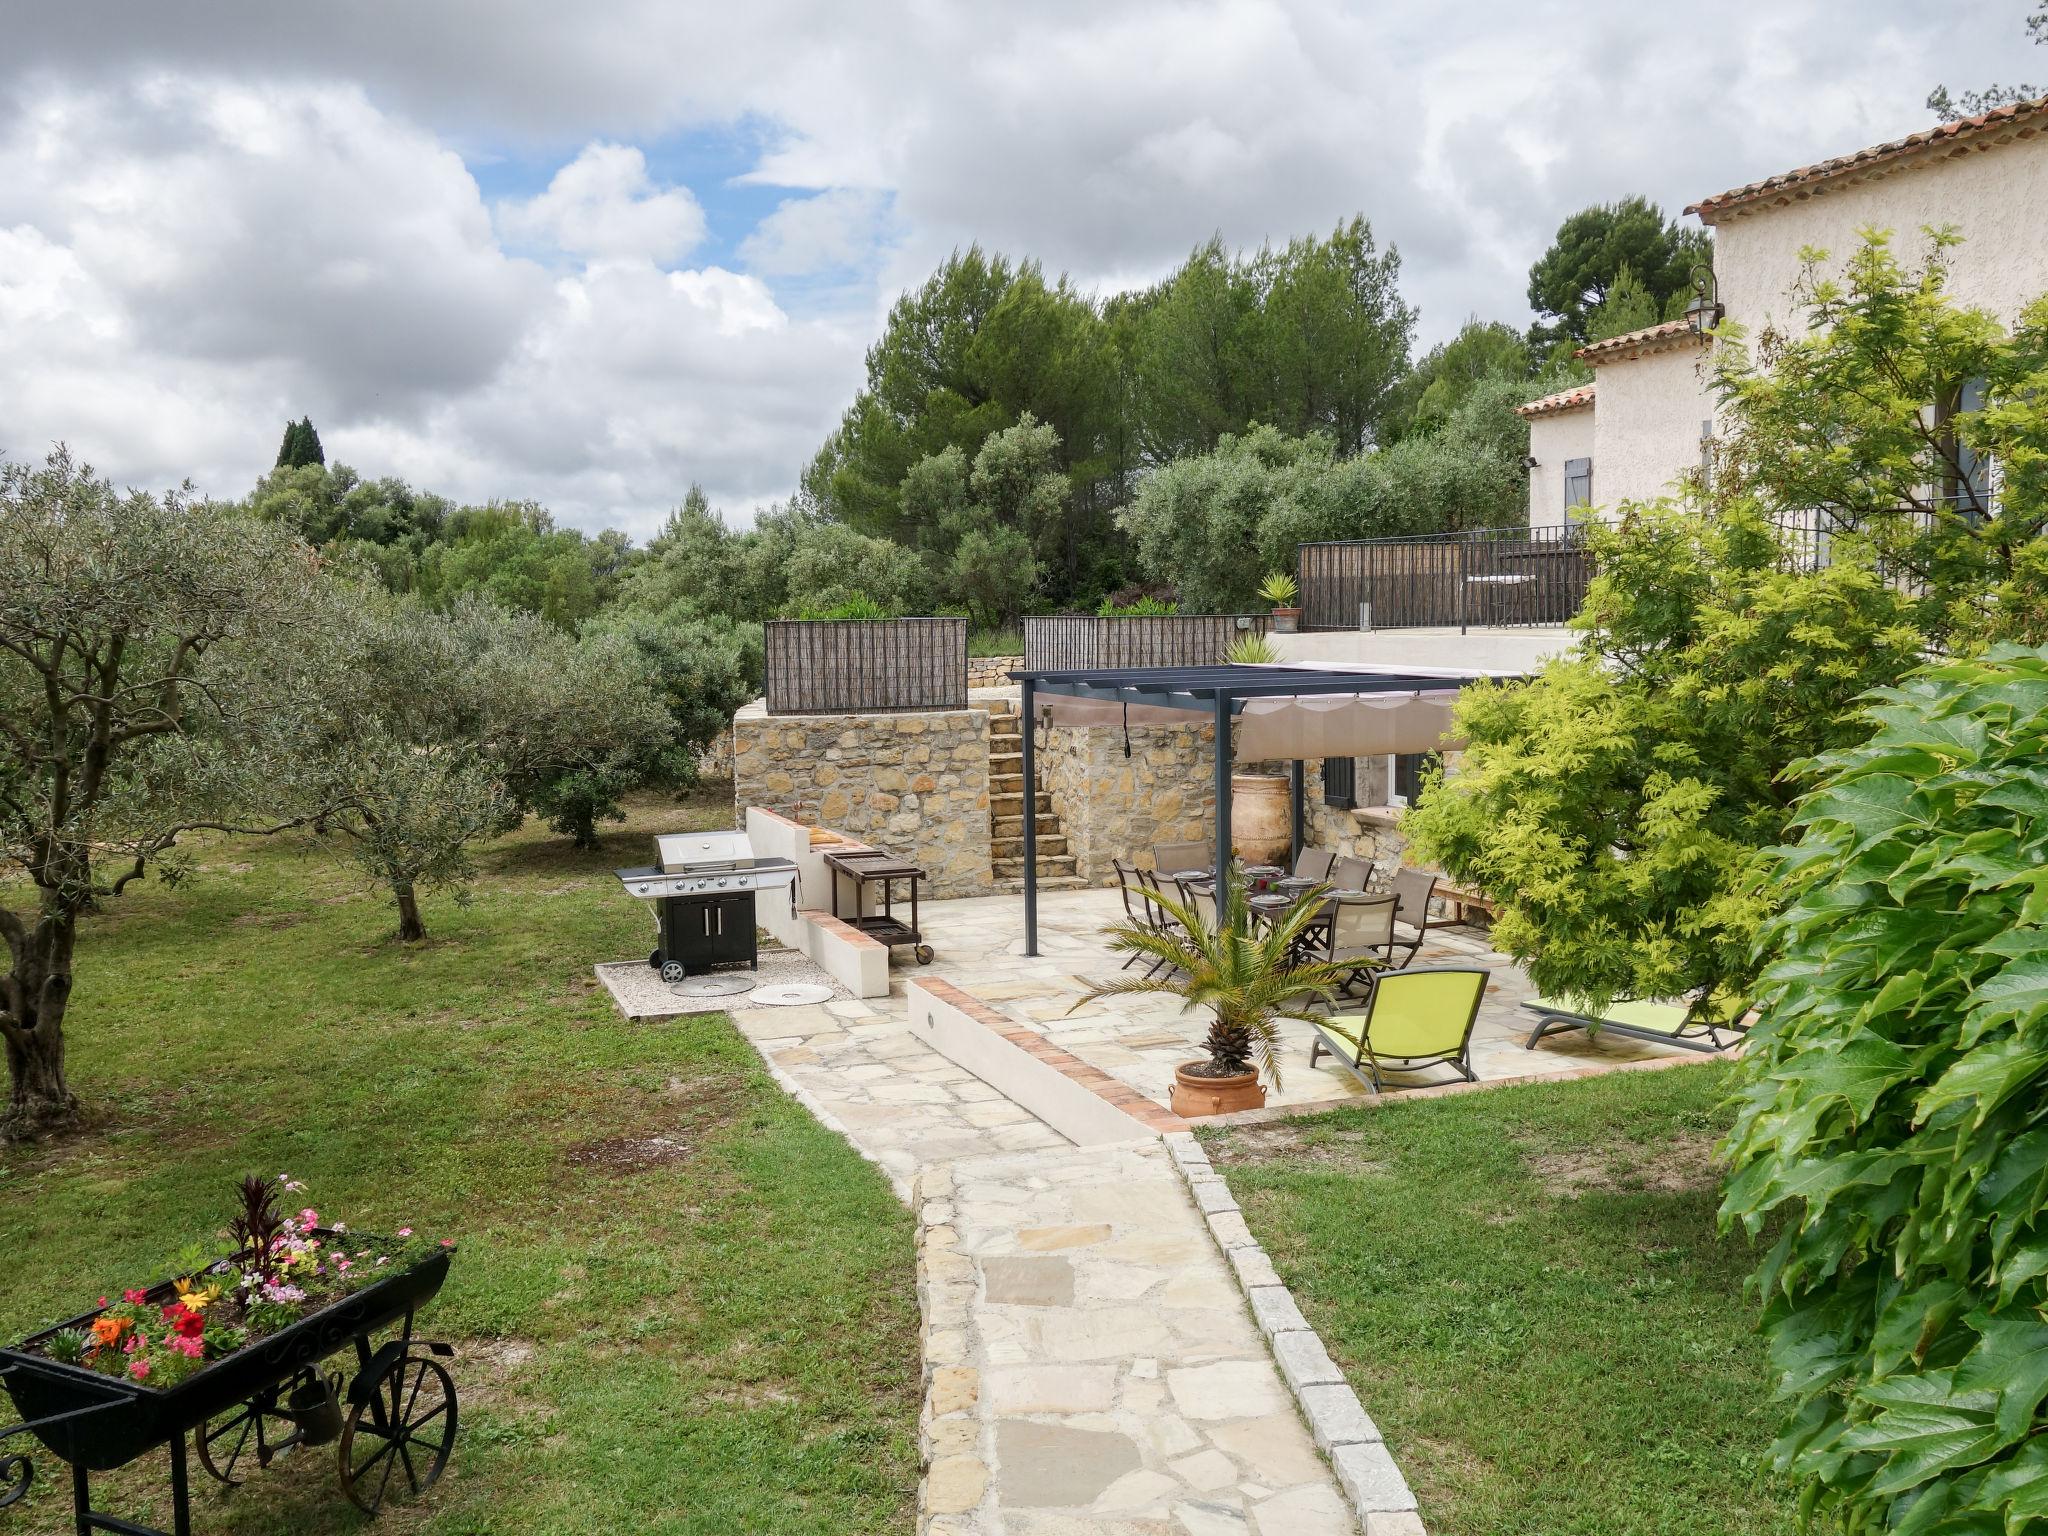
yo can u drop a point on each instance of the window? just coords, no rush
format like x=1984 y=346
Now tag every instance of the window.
x=1973 y=470
x=1405 y=773
x=1340 y=783
x=1578 y=483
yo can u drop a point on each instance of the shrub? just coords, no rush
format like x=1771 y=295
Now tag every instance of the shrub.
x=1891 y=1118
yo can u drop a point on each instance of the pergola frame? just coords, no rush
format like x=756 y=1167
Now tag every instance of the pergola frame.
x=1220 y=693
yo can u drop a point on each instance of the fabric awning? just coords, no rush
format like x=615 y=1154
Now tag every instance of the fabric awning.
x=1314 y=726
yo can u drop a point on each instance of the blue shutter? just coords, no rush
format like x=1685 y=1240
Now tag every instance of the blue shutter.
x=1578 y=483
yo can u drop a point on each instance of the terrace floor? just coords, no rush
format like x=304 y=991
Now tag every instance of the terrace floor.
x=1140 y=1040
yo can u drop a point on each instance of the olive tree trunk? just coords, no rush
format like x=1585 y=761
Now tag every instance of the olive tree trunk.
x=409 y=925
x=38 y=991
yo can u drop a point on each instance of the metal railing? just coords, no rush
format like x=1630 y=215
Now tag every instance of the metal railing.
x=1481 y=578
x=863 y=666
x=1074 y=641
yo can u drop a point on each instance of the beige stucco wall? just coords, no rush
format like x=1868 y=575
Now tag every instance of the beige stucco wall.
x=1552 y=440
x=1646 y=426
x=1996 y=199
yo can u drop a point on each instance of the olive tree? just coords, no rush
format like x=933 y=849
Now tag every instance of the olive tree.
x=153 y=659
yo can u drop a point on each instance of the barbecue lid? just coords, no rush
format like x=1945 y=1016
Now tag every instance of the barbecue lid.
x=682 y=851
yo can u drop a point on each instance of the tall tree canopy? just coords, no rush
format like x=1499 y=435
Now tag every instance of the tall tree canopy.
x=1570 y=281
x=1969 y=103
x=301 y=445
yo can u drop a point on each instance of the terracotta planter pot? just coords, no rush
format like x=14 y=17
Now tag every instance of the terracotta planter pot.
x=1261 y=818
x=1286 y=621
x=1195 y=1096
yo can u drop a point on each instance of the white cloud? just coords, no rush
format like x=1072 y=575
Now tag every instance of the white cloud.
x=207 y=224
x=604 y=204
x=824 y=233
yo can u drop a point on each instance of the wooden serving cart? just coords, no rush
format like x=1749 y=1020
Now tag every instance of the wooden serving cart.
x=864 y=867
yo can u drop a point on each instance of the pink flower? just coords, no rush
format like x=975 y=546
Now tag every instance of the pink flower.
x=134 y=1343
x=405 y=1231
x=447 y=1242
x=309 y=1217
x=135 y=1298
x=344 y=1265
x=382 y=1261
x=139 y=1369
x=103 y=1301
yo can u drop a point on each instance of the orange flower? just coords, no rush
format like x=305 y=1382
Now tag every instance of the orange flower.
x=108 y=1330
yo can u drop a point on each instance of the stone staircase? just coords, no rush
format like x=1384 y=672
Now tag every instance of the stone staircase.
x=1056 y=866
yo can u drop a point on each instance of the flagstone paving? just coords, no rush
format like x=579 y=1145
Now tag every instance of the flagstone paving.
x=1090 y=1363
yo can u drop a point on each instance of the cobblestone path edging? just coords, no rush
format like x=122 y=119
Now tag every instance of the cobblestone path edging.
x=1365 y=1468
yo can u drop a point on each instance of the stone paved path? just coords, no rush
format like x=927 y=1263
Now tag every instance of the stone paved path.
x=1089 y=1360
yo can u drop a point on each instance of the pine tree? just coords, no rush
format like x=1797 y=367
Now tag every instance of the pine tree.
x=286 y=450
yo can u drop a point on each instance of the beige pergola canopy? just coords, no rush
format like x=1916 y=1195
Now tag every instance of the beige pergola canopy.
x=1290 y=714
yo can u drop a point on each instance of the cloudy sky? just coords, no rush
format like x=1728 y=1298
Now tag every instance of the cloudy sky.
x=590 y=253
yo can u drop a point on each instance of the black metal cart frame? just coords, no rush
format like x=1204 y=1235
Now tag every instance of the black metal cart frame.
x=865 y=867
x=395 y=1422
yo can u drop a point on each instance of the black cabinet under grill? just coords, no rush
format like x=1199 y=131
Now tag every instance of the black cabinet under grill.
x=699 y=932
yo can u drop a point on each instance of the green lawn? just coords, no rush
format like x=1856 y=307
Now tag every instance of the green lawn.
x=1526 y=1290
x=680 y=1305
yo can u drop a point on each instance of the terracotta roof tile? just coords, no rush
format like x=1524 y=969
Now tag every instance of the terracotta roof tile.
x=2022 y=119
x=1564 y=400
x=1651 y=338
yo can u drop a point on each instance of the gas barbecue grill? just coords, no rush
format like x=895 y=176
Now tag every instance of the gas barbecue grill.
x=703 y=885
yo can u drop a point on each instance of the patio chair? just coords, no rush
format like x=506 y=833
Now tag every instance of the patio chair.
x=1349 y=874
x=1412 y=889
x=1360 y=934
x=1200 y=900
x=1171 y=858
x=1689 y=1026
x=1140 y=910
x=1313 y=864
x=1412 y=1019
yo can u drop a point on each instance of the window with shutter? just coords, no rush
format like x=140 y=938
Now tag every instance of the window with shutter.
x=1973 y=470
x=1409 y=770
x=1578 y=483
x=1340 y=783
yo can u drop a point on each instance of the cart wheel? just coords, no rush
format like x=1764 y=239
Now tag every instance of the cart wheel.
x=924 y=954
x=399 y=1433
x=248 y=1438
x=654 y=959
x=673 y=972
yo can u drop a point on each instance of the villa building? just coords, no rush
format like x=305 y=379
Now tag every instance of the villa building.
x=1648 y=416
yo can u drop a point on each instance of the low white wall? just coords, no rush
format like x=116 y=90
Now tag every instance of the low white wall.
x=1481 y=650
x=1068 y=1107
x=858 y=963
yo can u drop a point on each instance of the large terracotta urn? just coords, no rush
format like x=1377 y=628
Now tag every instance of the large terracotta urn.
x=1261 y=818
x=1196 y=1095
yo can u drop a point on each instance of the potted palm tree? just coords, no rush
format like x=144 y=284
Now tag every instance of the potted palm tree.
x=1247 y=975
x=1281 y=589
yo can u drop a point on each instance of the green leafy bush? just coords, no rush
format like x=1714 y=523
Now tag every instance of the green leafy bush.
x=1894 y=1113
x=858 y=606
x=1137 y=608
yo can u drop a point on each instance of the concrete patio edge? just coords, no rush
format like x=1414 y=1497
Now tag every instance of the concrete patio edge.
x=1343 y=1431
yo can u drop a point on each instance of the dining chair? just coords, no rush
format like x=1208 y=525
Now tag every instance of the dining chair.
x=1349 y=874
x=1412 y=889
x=1171 y=858
x=1313 y=864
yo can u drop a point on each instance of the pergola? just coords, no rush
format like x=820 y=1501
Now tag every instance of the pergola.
x=1299 y=712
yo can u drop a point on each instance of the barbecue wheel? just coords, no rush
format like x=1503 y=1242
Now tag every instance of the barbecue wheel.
x=673 y=972
x=399 y=1433
x=924 y=954
x=248 y=1438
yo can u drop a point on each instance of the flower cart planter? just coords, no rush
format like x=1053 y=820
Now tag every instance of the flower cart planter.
x=395 y=1423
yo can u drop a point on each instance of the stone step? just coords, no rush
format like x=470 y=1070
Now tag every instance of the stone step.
x=1007 y=784
x=1013 y=847
x=1002 y=764
x=1012 y=826
x=1005 y=887
x=1060 y=867
x=1001 y=805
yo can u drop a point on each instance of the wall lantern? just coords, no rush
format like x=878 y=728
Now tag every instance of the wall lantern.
x=1706 y=310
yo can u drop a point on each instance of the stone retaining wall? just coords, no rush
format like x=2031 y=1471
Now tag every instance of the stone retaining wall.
x=992 y=671
x=1117 y=807
x=915 y=784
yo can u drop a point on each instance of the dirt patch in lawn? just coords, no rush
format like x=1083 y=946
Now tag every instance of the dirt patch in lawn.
x=1685 y=1162
x=689 y=1112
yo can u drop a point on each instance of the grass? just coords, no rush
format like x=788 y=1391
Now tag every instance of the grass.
x=680 y=1305
x=996 y=642
x=1526 y=1289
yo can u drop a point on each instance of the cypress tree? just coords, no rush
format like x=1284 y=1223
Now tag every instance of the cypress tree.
x=301 y=445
